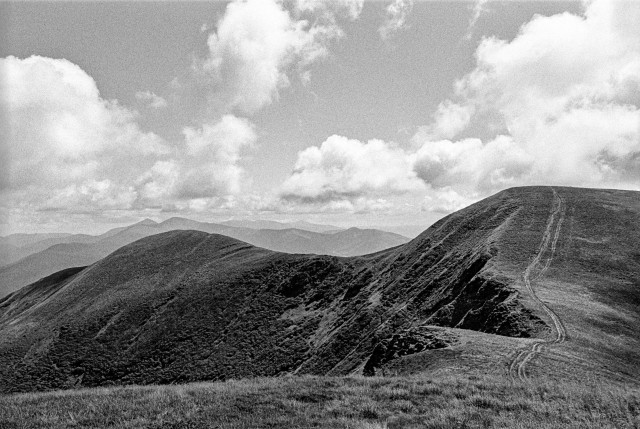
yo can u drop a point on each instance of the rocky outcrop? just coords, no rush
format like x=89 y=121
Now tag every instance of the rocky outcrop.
x=408 y=342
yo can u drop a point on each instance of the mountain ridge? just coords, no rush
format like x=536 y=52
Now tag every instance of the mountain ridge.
x=52 y=256
x=187 y=306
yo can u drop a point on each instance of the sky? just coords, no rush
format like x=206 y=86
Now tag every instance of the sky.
x=344 y=112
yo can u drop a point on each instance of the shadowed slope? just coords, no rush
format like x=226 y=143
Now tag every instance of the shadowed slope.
x=187 y=305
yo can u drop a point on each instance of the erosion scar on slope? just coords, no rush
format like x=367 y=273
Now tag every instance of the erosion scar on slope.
x=518 y=367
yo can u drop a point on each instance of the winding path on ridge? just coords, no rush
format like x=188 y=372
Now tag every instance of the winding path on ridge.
x=518 y=367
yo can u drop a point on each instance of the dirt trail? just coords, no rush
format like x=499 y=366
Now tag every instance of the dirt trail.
x=518 y=367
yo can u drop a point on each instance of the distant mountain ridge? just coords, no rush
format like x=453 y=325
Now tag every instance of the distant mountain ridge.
x=45 y=257
x=531 y=282
x=270 y=224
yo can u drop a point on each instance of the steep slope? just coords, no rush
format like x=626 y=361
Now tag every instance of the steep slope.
x=187 y=305
x=79 y=250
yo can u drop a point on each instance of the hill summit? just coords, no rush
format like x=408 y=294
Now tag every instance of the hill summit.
x=534 y=280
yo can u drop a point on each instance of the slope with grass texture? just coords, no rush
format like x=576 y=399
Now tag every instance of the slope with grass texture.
x=187 y=306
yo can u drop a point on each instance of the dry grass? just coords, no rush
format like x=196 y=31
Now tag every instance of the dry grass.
x=351 y=402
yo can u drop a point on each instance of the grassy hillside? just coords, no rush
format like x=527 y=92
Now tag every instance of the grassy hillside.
x=523 y=284
x=332 y=402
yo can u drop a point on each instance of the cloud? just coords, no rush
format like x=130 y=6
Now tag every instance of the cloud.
x=471 y=166
x=207 y=166
x=397 y=13
x=478 y=10
x=152 y=100
x=566 y=94
x=60 y=126
x=213 y=154
x=258 y=42
x=329 y=9
x=445 y=201
x=350 y=175
x=69 y=149
x=346 y=170
x=448 y=121
x=91 y=193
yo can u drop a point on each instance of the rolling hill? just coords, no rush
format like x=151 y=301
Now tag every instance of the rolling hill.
x=16 y=246
x=51 y=254
x=531 y=282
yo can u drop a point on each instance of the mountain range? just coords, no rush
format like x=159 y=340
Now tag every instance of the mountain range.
x=270 y=224
x=32 y=257
x=531 y=282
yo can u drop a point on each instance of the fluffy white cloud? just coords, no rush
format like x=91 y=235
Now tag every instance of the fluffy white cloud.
x=344 y=169
x=59 y=126
x=449 y=120
x=69 y=149
x=397 y=13
x=253 y=42
x=256 y=44
x=206 y=167
x=470 y=166
x=350 y=175
x=566 y=90
x=214 y=152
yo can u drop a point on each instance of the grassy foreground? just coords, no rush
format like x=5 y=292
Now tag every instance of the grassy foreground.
x=333 y=402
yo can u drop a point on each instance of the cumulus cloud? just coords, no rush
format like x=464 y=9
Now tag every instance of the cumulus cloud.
x=59 y=126
x=213 y=152
x=66 y=148
x=345 y=170
x=449 y=120
x=566 y=90
x=71 y=149
x=566 y=96
x=470 y=165
x=152 y=100
x=258 y=42
x=206 y=166
x=397 y=13
x=350 y=175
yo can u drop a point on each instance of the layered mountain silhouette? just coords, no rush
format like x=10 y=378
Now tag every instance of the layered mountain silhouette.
x=40 y=256
x=270 y=224
x=549 y=276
